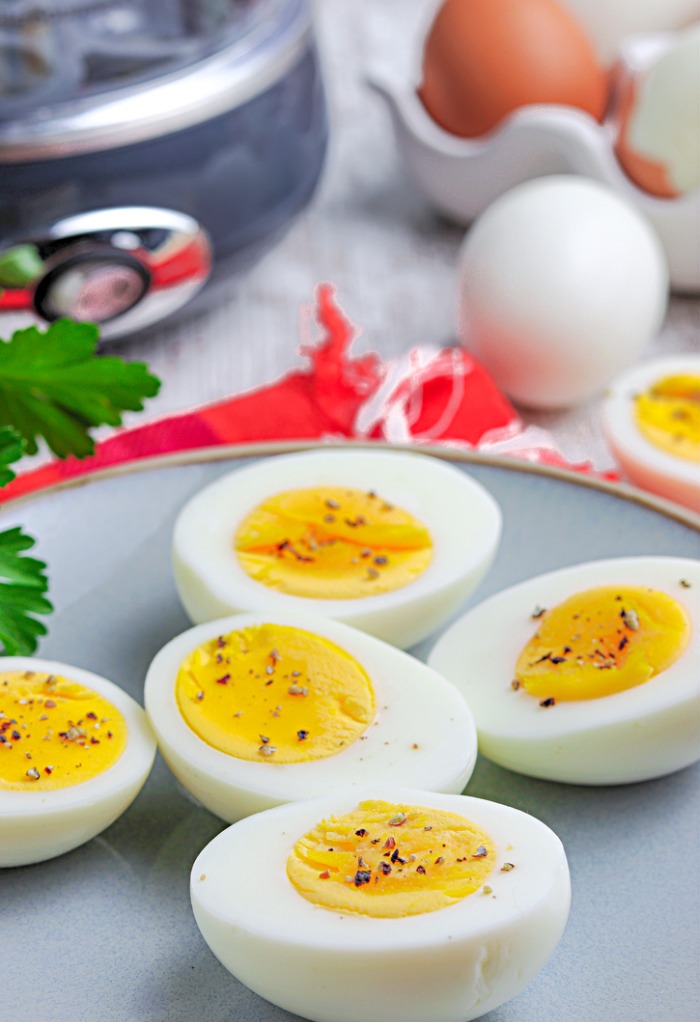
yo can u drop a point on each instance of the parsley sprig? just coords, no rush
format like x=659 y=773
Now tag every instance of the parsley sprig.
x=23 y=583
x=53 y=385
x=11 y=449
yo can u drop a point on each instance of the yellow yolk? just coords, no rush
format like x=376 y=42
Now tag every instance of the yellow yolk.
x=276 y=694
x=602 y=641
x=54 y=733
x=668 y=415
x=387 y=860
x=332 y=543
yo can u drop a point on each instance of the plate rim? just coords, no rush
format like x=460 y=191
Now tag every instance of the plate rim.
x=258 y=449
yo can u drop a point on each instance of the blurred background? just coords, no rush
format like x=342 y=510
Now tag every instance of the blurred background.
x=355 y=213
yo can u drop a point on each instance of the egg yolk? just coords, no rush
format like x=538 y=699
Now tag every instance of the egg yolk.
x=387 y=860
x=274 y=694
x=602 y=641
x=332 y=543
x=668 y=415
x=54 y=733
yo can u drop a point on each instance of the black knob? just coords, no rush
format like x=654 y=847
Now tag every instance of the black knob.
x=95 y=284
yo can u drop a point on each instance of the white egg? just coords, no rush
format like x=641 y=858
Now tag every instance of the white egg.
x=644 y=462
x=449 y=965
x=422 y=731
x=608 y=23
x=40 y=824
x=643 y=732
x=561 y=284
x=463 y=519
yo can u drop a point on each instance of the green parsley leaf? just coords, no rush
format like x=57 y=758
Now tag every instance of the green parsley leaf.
x=53 y=385
x=22 y=585
x=11 y=449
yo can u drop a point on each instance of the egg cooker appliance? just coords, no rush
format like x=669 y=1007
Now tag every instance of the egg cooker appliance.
x=149 y=148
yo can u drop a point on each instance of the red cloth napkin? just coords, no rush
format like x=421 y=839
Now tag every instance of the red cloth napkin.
x=431 y=395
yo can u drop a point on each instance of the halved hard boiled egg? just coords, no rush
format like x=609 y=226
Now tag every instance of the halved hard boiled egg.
x=651 y=422
x=387 y=541
x=75 y=750
x=259 y=709
x=388 y=904
x=588 y=674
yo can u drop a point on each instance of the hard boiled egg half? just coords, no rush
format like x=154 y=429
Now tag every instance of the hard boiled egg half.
x=259 y=709
x=651 y=422
x=588 y=674
x=387 y=541
x=75 y=750
x=387 y=905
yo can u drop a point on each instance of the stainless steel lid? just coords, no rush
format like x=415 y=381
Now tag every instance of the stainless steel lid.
x=79 y=77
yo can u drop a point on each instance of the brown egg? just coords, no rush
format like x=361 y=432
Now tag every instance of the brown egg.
x=483 y=59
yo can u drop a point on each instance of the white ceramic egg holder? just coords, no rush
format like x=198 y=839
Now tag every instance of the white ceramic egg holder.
x=461 y=177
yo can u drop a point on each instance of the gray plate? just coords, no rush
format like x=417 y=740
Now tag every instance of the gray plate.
x=106 y=932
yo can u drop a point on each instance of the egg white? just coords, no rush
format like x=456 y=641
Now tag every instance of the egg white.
x=414 y=706
x=643 y=732
x=451 y=965
x=644 y=463
x=39 y=825
x=463 y=519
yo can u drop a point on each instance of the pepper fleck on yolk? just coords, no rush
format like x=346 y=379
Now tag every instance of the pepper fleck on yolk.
x=602 y=641
x=275 y=694
x=332 y=543
x=54 y=733
x=387 y=860
x=668 y=415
